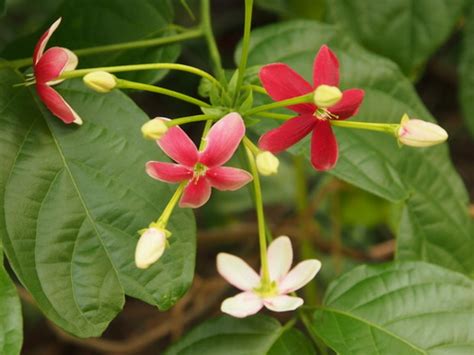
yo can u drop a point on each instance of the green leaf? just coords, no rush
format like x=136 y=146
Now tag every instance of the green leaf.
x=310 y=9
x=435 y=225
x=72 y=200
x=406 y=31
x=255 y=335
x=466 y=76
x=399 y=308
x=91 y=23
x=11 y=322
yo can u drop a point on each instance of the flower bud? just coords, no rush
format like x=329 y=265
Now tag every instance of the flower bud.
x=418 y=133
x=267 y=163
x=326 y=96
x=150 y=247
x=155 y=128
x=100 y=81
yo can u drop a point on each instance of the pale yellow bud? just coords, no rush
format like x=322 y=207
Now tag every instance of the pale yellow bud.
x=100 y=81
x=267 y=163
x=418 y=133
x=155 y=128
x=150 y=247
x=326 y=96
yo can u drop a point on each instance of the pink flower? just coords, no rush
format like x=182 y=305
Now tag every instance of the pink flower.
x=203 y=169
x=47 y=67
x=283 y=281
x=282 y=82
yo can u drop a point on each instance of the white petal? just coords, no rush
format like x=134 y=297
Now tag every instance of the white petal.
x=282 y=303
x=280 y=257
x=242 y=305
x=150 y=247
x=237 y=272
x=299 y=276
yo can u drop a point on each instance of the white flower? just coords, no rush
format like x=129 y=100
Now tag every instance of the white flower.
x=150 y=247
x=155 y=128
x=283 y=281
x=418 y=133
x=267 y=163
x=100 y=81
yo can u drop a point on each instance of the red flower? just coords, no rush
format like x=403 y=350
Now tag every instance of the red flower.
x=203 y=169
x=48 y=66
x=282 y=82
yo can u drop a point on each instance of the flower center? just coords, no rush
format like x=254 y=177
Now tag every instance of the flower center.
x=267 y=290
x=199 y=170
x=323 y=114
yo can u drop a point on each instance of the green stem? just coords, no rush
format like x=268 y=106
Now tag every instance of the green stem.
x=189 y=34
x=276 y=116
x=207 y=127
x=189 y=119
x=126 y=84
x=245 y=47
x=165 y=216
x=250 y=145
x=255 y=88
x=391 y=128
x=288 y=102
x=211 y=42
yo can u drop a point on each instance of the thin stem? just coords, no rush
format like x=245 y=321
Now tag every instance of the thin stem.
x=250 y=145
x=211 y=42
x=165 y=216
x=381 y=127
x=245 y=47
x=288 y=102
x=126 y=84
x=255 y=88
x=207 y=127
x=276 y=116
x=189 y=119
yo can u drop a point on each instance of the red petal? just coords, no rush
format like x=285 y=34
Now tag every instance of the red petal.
x=179 y=147
x=282 y=82
x=196 y=193
x=325 y=68
x=57 y=105
x=223 y=139
x=43 y=41
x=290 y=132
x=228 y=179
x=324 y=151
x=349 y=104
x=53 y=63
x=168 y=172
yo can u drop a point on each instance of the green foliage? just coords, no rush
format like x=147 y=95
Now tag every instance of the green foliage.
x=406 y=31
x=310 y=9
x=435 y=225
x=466 y=76
x=250 y=336
x=400 y=308
x=72 y=200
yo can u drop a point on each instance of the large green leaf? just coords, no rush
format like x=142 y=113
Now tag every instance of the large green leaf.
x=72 y=199
x=11 y=323
x=435 y=224
x=406 y=31
x=255 y=335
x=400 y=308
x=466 y=76
x=90 y=23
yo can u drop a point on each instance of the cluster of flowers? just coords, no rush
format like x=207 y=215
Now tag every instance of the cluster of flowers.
x=200 y=170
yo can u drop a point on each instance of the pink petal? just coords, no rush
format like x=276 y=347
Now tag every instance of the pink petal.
x=325 y=68
x=168 y=172
x=280 y=257
x=242 y=305
x=282 y=303
x=228 y=179
x=349 y=104
x=237 y=272
x=324 y=151
x=57 y=105
x=43 y=41
x=223 y=139
x=179 y=147
x=290 y=132
x=196 y=193
x=282 y=82
x=299 y=276
x=53 y=63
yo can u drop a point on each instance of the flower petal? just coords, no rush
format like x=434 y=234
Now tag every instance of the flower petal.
x=227 y=179
x=57 y=105
x=242 y=305
x=290 y=132
x=324 y=150
x=325 y=68
x=196 y=193
x=299 y=276
x=237 y=272
x=168 y=172
x=179 y=147
x=349 y=104
x=282 y=82
x=53 y=63
x=282 y=303
x=280 y=257
x=43 y=41
x=223 y=139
